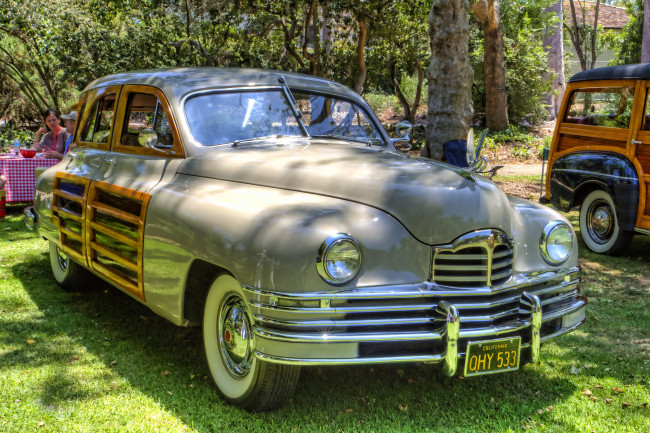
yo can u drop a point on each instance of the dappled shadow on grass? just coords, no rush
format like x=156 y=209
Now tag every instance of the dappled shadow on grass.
x=141 y=351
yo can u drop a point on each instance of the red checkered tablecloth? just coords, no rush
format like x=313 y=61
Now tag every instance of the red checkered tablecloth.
x=19 y=172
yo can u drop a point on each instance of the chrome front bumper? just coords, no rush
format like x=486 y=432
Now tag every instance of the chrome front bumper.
x=412 y=323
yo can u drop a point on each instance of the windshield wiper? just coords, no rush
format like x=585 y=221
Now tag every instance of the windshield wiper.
x=367 y=141
x=294 y=105
x=266 y=137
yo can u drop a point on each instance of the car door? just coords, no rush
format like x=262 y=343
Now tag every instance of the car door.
x=71 y=184
x=145 y=147
x=641 y=149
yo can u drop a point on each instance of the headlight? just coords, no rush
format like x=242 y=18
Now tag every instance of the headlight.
x=339 y=259
x=556 y=243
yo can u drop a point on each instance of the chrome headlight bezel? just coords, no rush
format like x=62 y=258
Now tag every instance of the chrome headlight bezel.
x=323 y=259
x=549 y=236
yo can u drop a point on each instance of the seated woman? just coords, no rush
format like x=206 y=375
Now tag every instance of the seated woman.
x=53 y=142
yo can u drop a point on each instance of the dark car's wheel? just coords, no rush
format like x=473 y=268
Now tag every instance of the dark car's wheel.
x=241 y=378
x=67 y=273
x=599 y=225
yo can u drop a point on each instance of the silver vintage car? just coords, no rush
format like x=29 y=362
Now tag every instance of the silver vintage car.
x=274 y=211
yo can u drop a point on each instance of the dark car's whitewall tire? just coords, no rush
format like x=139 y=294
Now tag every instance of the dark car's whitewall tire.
x=241 y=378
x=599 y=226
x=67 y=273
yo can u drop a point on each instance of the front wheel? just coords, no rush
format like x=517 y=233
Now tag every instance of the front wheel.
x=241 y=378
x=67 y=273
x=599 y=225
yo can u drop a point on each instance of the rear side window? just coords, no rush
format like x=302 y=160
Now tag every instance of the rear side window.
x=608 y=107
x=100 y=120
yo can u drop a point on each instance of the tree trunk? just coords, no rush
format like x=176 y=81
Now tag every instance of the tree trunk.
x=645 y=42
x=496 y=99
x=361 y=57
x=314 y=68
x=450 y=76
x=554 y=46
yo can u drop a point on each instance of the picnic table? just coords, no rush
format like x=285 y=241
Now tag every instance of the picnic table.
x=21 y=180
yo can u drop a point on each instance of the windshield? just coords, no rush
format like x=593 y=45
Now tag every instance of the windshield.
x=326 y=115
x=231 y=117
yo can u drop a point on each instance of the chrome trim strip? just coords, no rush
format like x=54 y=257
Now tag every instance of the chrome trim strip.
x=417 y=290
x=348 y=337
x=433 y=359
x=592 y=174
x=570 y=287
x=642 y=231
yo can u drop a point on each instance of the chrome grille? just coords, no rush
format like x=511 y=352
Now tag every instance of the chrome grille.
x=407 y=322
x=477 y=259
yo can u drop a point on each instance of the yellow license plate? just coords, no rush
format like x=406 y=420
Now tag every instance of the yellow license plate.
x=494 y=356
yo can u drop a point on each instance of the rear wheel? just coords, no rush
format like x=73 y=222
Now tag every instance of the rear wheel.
x=599 y=225
x=67 y=273
x=241 y=378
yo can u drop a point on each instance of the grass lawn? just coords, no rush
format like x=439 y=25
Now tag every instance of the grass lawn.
x=98 y=361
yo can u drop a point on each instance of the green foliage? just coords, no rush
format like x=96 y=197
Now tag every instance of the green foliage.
x=9 y=134
x=627 y=45
x=526 y=63
x=513 y=134
x=525 y=60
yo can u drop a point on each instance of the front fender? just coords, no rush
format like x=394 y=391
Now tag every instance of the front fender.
x=574 y=175
x=267 y=238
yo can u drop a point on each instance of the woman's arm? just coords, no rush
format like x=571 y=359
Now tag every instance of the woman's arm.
x=38 y=142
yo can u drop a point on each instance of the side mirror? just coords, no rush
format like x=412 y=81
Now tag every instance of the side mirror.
x=148 y=138
x=403 y=131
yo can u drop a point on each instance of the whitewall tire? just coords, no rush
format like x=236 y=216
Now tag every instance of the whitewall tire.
x=599 y=226
x=242 y=379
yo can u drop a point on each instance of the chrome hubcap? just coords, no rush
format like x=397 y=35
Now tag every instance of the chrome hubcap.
x=235 y=338
x=601 y=222
x=62 y=259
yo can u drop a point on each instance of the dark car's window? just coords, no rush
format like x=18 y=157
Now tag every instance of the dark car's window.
x=610 y=107
x=218 y=118
x=330 y=116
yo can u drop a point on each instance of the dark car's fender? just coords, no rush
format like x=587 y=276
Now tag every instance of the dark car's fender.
x=575 y=175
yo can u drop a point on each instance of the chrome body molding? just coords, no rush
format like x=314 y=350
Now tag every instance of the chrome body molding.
x=412 y=323
x=642 y=231
x=591 y=173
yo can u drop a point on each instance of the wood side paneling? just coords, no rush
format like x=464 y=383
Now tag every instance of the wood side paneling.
x=567 y=142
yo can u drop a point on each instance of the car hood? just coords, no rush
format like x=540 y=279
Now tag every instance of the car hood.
x=434 y=201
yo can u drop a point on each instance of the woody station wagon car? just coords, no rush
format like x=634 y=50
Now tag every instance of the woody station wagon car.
x=600 y=155
x=273 y=210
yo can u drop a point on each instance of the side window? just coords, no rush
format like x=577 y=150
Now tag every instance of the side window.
x=100 y=120
x=609 y=107
x=146 y=123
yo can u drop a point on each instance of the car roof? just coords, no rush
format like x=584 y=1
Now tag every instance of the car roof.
x=639 y=71
x=178 y=82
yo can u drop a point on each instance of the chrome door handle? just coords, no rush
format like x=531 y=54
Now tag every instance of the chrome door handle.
x=110 y=161
x=633 y=141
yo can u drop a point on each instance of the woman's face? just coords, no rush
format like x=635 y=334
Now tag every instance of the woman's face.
x=52 y=122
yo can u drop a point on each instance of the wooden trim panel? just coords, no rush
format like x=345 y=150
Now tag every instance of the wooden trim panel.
x=115 y=234
x=63 y=216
